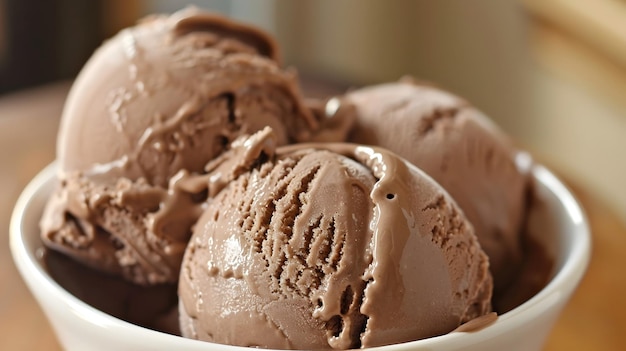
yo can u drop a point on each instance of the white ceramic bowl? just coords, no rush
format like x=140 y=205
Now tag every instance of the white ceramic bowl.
x=82 y=327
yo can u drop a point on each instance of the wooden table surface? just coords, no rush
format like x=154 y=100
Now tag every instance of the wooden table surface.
x=595 y=319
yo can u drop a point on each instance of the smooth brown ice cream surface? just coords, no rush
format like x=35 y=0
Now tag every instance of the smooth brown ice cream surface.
x=463 y=151
x=171 y=93
x=328 y=245
x=148 y=111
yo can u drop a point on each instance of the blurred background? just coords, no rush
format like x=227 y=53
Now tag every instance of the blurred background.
x=552 y=73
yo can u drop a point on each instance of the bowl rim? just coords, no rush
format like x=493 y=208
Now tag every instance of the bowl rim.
x=562 y=284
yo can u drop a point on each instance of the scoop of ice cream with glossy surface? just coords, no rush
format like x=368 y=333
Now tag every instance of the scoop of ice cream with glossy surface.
x=463 y=151
x=153 y=105
x=171 y=93
x=314 y=246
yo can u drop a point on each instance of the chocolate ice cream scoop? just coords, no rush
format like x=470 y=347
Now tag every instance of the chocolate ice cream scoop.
x=313 y=246
x=463 y=151
x=171 y=93
x=149 y=110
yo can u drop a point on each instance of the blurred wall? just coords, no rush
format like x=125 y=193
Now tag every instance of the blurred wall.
x=474 y=48
x=43 y=41
x=47 y=41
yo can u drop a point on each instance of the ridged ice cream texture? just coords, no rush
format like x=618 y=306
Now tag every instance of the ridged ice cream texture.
x=319 y=246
